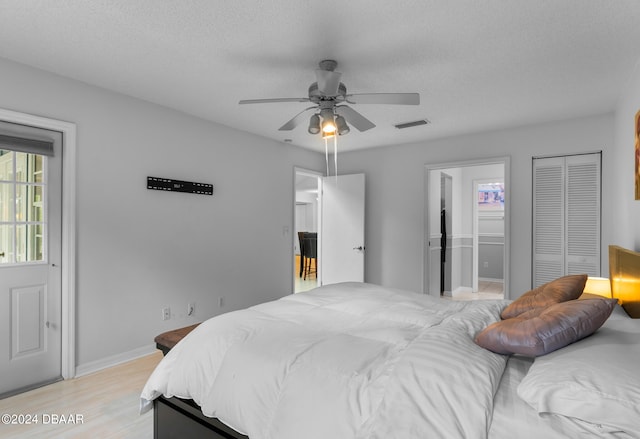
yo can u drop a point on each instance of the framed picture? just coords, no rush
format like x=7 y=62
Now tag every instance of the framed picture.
x=490 y=196
x=637 y=155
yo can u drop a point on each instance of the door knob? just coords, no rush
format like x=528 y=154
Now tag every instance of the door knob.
x=360 y=248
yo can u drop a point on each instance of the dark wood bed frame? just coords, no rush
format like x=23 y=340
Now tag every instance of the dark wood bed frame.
x=175 y=418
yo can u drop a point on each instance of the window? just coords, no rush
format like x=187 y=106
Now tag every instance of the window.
x=22 y=211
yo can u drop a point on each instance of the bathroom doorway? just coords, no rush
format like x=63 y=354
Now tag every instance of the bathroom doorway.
x=468 y=252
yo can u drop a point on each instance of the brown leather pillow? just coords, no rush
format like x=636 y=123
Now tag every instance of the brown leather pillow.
x=543 y=330
x=560 y=290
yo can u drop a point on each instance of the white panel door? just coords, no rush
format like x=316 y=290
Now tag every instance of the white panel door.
x=342 y=243
x=30 y=282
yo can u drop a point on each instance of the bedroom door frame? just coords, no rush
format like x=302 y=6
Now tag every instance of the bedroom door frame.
x=318 y=266
x=506 y=162
x=446 y=189
x=68 y=261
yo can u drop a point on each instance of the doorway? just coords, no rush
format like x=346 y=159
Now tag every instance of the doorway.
x=471 y=240
x=30 y=252
x=306 y=225
x=65 y=265
x=329 y=212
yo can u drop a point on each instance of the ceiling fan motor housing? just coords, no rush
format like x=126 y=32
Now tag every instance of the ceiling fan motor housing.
x=328 y=65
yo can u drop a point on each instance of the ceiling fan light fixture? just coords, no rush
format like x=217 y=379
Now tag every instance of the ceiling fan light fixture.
x=314 y=124
x=341 y=125
x=328 y=127
x=328 y=122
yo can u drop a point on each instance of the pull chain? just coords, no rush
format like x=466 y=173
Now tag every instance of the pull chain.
x=335 y=157
x=326 y=154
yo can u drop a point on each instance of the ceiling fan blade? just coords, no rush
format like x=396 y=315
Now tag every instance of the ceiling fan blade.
x=354 y=118
x=384 y=98
x=328 y=82
x=274 y=100
x=296 y=120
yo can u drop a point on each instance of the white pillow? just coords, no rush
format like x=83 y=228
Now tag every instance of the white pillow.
x=595 y=380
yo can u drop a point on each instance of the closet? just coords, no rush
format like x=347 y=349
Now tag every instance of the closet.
x=566 y=216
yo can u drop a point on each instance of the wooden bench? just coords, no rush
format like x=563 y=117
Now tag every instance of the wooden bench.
x=169 y=339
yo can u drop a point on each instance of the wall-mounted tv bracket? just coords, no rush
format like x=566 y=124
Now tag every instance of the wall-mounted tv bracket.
x=168 y=184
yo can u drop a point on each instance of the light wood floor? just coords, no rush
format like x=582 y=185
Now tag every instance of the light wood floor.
x=108 y=402
x=300 y=284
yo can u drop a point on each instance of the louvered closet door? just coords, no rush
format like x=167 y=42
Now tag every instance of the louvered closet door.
x=548 y=219
x=583 y=214
x=566 y=216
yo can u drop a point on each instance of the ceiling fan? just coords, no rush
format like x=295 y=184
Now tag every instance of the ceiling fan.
x=330 y=97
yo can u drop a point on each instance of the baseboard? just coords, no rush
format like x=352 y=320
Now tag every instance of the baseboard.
x=114 y=360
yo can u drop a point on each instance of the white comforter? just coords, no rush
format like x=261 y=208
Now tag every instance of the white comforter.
x=342 y=361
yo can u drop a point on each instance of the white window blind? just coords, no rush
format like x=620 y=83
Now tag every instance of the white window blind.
x=32 y=140
x=566 y=216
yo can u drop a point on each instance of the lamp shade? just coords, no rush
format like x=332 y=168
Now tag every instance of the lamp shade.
x=342 y=126
x=600 y=286
x=314 y=124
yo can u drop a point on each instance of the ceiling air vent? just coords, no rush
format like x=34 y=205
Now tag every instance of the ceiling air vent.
x=415 y=123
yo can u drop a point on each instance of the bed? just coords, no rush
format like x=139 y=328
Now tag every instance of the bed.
x=355 y=360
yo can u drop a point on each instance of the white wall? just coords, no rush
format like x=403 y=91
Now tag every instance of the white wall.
x=140 y=250
x=306 y=211
x=395 y=191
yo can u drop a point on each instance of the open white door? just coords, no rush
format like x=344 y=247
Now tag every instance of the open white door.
x=342 y=244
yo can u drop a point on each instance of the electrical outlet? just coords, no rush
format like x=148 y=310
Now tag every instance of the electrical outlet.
x=191 y=309
x=486 y=265
x=220 y=302
x=166 y=313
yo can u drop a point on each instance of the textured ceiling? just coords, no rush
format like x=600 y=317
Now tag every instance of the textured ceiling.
x=478 y=65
